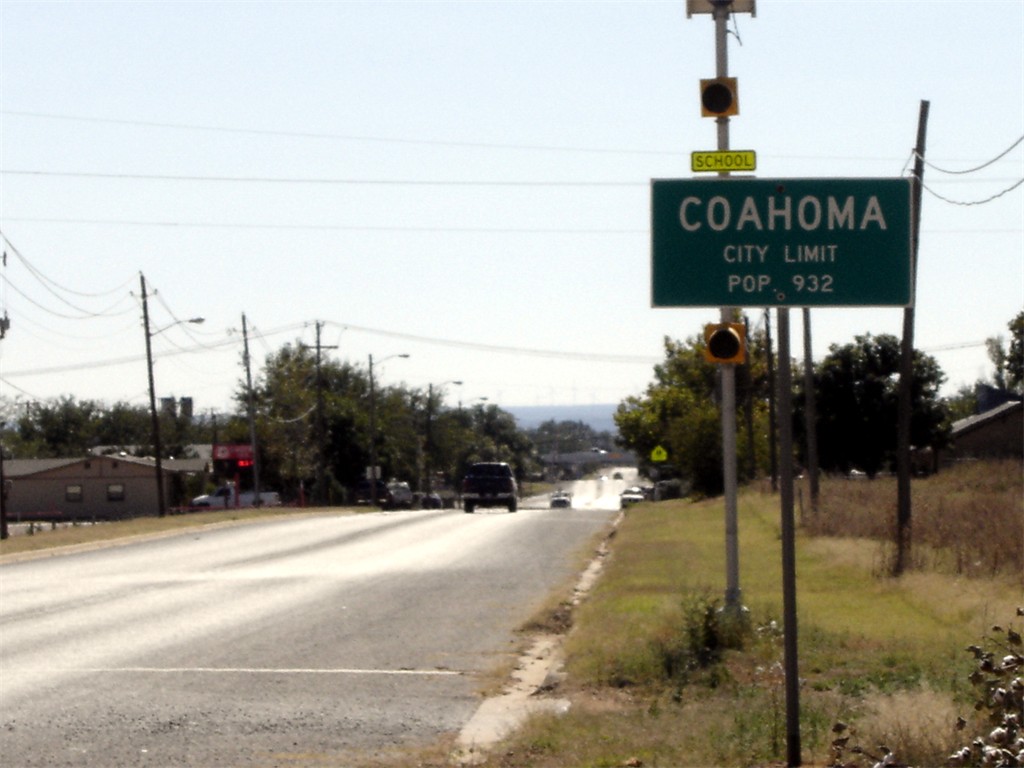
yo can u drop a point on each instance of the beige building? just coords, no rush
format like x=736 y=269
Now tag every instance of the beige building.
x=92 y=488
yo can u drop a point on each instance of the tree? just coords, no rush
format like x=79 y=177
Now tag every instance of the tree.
x=1015 y=356
x=304 y=419
x=679 y=412
x=495 y=437
x=567 y=437
x=857 y=386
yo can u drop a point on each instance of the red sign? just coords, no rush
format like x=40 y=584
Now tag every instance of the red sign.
x=232 y=452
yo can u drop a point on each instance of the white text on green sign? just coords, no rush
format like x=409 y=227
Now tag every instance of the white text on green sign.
x=723 y=160
x=780 y=242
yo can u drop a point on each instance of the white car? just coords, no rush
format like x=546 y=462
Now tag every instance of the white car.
x=631 y=496
x=561 y=500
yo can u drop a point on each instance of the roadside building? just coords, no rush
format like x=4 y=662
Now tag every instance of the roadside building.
x=92 y=487
x=996 y=433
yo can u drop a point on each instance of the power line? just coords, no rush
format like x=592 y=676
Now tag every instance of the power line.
x=974 y=202
x=351 y=137
x=86 y=314
x=998 y=157
x=332 y=181
x=392 y=228
x=399 y=139
x=338 y=227
x=48 y=281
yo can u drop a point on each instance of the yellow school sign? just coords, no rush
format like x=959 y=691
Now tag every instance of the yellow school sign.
x=723 y=160
x=659 y=454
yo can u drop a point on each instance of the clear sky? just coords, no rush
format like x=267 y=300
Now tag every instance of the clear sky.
x=464 y=182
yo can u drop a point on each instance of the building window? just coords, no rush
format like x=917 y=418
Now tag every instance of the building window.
x=73 y=493
x=115 y=492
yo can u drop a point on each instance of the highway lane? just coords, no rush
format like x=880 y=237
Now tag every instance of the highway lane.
x=272 y=643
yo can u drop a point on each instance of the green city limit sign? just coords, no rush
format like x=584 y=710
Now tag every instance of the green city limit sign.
x=780 y=242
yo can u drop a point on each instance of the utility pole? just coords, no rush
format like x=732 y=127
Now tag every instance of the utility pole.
x=321 y=424
x=788 y=531
x=373 y=439
x=903 y=502
x=252 y=415
x=773 y=458
x=320 y=428
x=161 y=501
x=4 y=533
x=810 y=413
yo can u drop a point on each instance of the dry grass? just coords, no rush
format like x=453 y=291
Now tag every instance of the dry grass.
x=885 y=655
x=967 y=520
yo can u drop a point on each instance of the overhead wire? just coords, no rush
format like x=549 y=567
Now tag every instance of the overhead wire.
x=39 y=275
x=348 y=137
x=49 y=285
x=986 y=164
x=973 y=202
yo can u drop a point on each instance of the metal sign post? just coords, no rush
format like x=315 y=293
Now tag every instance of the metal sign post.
x=733 y=608
x=733 y=596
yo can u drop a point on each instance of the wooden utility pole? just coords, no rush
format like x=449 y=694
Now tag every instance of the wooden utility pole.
x=4 y=533
x=810 y=413
x=161 y=500
x=903 y=468
x=251 y=400
x=321 y=423
x=773 y=458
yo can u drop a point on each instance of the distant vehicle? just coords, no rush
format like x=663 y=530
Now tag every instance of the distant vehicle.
x=428 y=500
x=489 y=483
x=226 y=497
x=393 y=495
x=631 y=496
x=616 y=475
x=561 y=500
x=399 y=495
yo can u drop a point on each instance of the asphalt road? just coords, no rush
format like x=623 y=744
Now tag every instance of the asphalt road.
x=292 y=642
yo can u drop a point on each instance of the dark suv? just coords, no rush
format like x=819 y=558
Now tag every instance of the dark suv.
x=489 y=484
x=392 y=495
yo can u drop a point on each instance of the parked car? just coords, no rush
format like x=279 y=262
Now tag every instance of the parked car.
x=399 y=496
x=561 y=500
x=393 y=495
x=363 y=492
x=428 y=500
x=227 y=496
x=631 y=496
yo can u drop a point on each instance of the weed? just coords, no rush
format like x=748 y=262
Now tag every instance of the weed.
x=998 y=679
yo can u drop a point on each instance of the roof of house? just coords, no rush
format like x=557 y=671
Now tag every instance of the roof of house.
x=973 y=422
x=26 y=467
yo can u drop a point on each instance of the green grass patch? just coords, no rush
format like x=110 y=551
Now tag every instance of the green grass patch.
x=886 y=655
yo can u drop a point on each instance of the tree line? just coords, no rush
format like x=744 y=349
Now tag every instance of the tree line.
x=313 y=421
x=856 y=395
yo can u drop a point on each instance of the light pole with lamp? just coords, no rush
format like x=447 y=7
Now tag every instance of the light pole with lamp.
x=430 y=436
x=161 y=501
x=373 y=431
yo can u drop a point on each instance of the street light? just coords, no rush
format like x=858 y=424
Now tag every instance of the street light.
x=160 y=500
x=430 y=437
x=373 y=431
